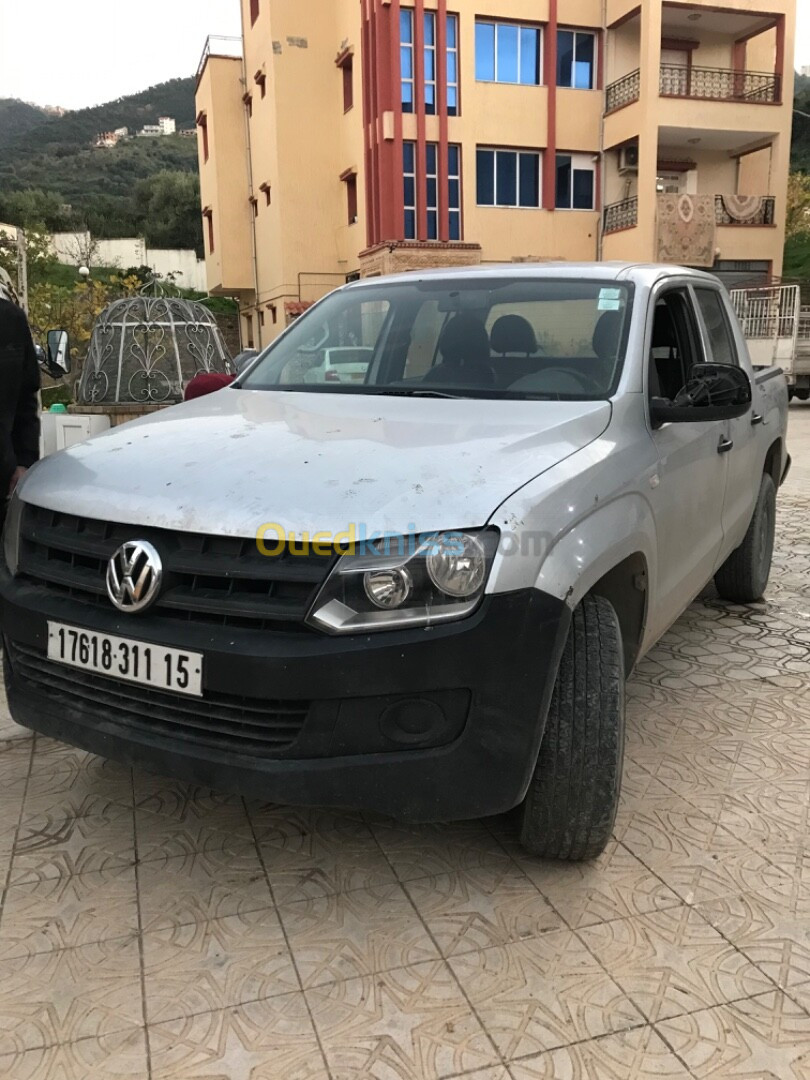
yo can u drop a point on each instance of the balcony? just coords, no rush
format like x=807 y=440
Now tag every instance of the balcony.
x=700 y=83
x=720 y=84
x=624 y=215
x=619 y=216
x=228 y=48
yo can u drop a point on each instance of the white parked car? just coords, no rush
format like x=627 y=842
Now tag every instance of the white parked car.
x=344 y=364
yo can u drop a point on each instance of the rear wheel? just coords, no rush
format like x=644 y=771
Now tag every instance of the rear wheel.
x=803 y=395
x=570 y=808
x=743 y=577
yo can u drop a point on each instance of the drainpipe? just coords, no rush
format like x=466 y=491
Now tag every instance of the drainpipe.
x=600 y=225
x=251 y=192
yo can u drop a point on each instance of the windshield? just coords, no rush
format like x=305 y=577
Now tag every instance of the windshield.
x=517 y=338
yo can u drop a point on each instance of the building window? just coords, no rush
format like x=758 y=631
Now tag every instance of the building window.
x=576 y=182
x=260 y=78
x=576 y=59
x=409 y=175
x=507 y=53
x=432 y=191
x=430 y=63
x=248 y=102
x=249 y=331
x=347 y=68
x=268 y=193
x=208 y=214
x=350 y=180
x=454 y=190
x=273 y=313
x=254 y=11
x=508 y=177
x=254 y=202
x=202 y=124
x=452 y=66
x=406 y=60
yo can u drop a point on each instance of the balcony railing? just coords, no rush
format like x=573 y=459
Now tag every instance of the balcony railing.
x=766 y=215
x=620 y=215
x=230 y=47
x=623 y=92
x=720 y=84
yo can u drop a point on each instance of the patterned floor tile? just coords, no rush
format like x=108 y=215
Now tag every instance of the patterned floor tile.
x=409 y=1024
x=536 y=995
x=62 y=913
x=638 y=1054
x=771 y=928
x=68 y=995
x=432 y=850
x=15 y=765
x=262 y=1040
x=673 y=962
x=121 y=1056
x=222 y=830
x=59 y=770
x=199 y=887
x=762 y=1038
x=467 y=912
x=614 y=886
x=205 y=966
x=347 y=935
x=50 y=844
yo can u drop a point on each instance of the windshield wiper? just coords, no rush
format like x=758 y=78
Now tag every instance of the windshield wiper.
x=417 y=393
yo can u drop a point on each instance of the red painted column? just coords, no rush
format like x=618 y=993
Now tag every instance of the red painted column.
x=397 y=192
x=421 y=125
x=550 y=156
x=444 y=140
x=370 y=178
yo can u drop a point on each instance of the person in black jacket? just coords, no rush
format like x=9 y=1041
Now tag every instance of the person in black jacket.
x=19 y=402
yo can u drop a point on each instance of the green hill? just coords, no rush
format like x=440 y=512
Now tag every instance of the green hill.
x=51 y=174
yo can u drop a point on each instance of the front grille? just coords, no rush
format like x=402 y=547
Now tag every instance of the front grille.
x=221 y=721
x=212 y=579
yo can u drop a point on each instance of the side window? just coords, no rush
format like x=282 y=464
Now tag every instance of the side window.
x=719 y=332
x=675 y=346
x=427 y=328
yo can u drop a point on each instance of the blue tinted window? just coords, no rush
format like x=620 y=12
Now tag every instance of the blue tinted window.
x=455 y=225
x=452 y=67
x=508 y=38
x=432 y=192
x=529 y=56
x=486 y=177
x=452 y=101
x=453 y=159
x=409 y=157
x=563 y=195
x=452 y=31
x=430 y=30
x=406 y=26
x=454 y=194
x=584 y=62
x=529 y=180
x=583 y=189
x=506 y=179
x=410 y=224
x=431 y=159
x=407 y=97
x=410 y=191
x=565 y=58
x=406 y=60
x=485 y=52
x=433 y=225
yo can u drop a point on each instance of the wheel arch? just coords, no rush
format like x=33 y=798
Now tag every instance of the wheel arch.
x=773 y=462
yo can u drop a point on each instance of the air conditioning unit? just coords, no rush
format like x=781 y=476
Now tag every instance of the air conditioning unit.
x=628 y=159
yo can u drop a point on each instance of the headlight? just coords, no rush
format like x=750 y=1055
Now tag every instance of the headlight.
x=406 y=581
x=11 y=533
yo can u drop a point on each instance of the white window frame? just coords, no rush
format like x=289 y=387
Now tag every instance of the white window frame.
x=457 y=211
x=579 y=163
x=497 y=23
x=428 y=48
x=411 y=47
x=407 y=207
x=432 y=208
x=453 y=50
x=517 y=153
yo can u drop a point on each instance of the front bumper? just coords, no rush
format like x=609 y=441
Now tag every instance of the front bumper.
x=484 y=684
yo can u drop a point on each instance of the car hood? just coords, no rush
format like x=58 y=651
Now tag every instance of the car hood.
x=236 y=460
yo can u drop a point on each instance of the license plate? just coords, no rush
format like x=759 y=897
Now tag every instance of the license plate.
x=126 y=659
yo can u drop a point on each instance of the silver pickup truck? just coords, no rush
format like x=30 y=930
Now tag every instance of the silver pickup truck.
x=421 y=593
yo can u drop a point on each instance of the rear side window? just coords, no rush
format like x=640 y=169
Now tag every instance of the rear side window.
x=717 y=325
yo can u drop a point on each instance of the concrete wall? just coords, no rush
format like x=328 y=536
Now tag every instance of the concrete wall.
x=72 y=249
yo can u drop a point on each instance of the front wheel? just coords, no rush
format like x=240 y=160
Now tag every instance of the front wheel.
x=743 y=577
x=571 y=804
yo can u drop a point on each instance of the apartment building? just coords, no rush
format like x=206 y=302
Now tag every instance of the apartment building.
x=347 y=138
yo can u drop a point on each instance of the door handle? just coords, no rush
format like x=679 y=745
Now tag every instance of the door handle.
x=725 y=445
x=756 y=419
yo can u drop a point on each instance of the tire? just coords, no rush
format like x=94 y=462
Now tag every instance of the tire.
x=791 y=393
x=803 y=395
x=571 y=804
x=743 y=577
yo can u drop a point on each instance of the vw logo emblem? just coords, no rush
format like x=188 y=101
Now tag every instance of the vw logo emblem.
x=134 y=576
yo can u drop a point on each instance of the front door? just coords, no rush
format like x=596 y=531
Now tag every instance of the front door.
x=687 y=493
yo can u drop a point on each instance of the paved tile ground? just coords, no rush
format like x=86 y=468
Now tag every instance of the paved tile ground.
x=149 y=929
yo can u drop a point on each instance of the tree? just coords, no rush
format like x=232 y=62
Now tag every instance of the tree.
x=169 y=204
x=32 y=209
x=38 y=250
x=798 y=206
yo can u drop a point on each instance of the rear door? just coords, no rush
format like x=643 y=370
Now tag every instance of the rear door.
x=745 y=458
x=687 y=492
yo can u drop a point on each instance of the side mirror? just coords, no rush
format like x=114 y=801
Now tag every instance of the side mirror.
x=714 y=392
x=59 y=351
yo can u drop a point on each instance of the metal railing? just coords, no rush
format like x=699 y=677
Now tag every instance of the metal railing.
x=768 y=313
x=620 y=215
x=623 y=92
x=765 y=216
x=720 y=84
x=218 y=45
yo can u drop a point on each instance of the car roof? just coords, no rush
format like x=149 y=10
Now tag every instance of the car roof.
x=643 y=274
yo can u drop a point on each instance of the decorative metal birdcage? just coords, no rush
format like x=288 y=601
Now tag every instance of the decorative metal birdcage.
x=145 y=349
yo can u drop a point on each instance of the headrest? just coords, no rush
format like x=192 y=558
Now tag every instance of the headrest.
x=607 y=334
x=514 y=334
x=464 y=339
x=664 y=336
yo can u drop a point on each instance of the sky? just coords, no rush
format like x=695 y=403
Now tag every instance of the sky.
x=54 y=52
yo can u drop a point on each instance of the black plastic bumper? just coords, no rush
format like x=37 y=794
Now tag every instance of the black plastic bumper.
x=491 y=676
